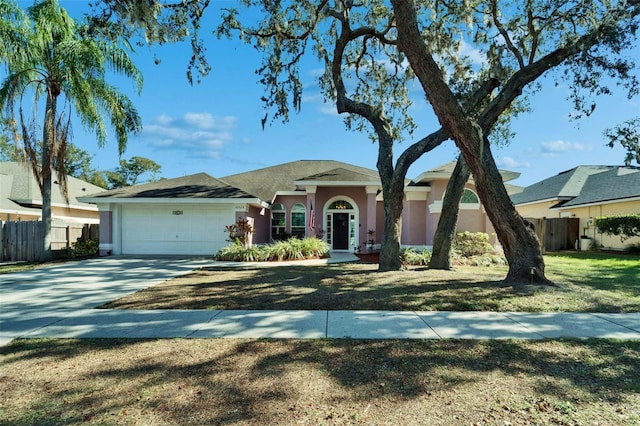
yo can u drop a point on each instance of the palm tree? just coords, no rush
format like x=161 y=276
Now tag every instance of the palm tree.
x=48 y=55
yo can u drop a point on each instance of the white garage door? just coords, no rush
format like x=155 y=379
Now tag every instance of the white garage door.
x=175 y=229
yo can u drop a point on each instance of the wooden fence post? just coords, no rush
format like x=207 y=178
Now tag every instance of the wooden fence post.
x=1 y=240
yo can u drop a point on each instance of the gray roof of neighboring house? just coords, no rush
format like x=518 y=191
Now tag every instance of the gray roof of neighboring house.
x=199 y=185
x=583 y=184
x=616 y=184
x=265 y=182
x=19 y=187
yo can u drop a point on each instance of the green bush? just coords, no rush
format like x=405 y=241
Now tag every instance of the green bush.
x=238 y=252
x=292 y=249
x=623 y=226
x=487 y=259
x=468 y=244
x=411 y=256
x=84 y=248
x=633 y=248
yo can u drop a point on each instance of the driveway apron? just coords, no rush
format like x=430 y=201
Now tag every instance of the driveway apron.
x=39 y=297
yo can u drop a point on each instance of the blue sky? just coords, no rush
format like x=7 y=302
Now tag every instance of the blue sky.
x=214 y=126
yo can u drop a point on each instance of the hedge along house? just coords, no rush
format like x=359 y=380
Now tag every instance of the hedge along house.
x=338 y=202
x=585 y=193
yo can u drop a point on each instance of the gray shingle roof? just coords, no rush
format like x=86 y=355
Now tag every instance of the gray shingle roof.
x=584 y=185
x=615 y=184
x=341 y=174
x=21 y=187
x=563 y=186
x=264 y=183
x=199 y=185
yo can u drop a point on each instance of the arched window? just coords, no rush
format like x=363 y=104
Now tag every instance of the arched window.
x=278 y=221
x=298 y=220
x=469 y=197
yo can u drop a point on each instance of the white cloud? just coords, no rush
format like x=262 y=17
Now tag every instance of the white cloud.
x=472 y=53
x=553 y=147
x=204 y=120
x=200 y=134
x=511 y=162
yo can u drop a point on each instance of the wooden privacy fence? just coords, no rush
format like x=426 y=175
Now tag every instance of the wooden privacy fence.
x=557 y=233
x=22 y=240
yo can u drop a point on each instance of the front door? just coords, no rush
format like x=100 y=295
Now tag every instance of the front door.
x=340 y=231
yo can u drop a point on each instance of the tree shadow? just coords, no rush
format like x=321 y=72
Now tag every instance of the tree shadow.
x=235 y=381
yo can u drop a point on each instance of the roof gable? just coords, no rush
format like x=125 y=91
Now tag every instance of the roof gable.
x=340 y=175
x=21 y=187
x=444 y=171
x=563 y=186
x=199 y=185
x=266 y=182
x=616 y=184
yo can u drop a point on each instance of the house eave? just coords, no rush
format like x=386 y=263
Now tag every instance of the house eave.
x=316 y=183
x=596 y=203
x=76 y=206
x=428 y=176
x=545 y=200
x=140 y=200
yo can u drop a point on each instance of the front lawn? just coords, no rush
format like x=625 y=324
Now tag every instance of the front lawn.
x=314 y=382
x=588 y=282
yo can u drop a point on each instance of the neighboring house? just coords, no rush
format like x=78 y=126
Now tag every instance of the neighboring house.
x=585 y=193
x=336 y=201
x=20 y=197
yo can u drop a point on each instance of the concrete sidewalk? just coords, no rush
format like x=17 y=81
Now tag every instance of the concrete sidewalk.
x=110 y=323
x=59 y=301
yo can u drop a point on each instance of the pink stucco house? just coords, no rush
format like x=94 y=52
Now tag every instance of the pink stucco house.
x=336 y=201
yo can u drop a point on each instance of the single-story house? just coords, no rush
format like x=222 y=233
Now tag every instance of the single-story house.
x=336 y=201
x=585 y=193
x=20 y=197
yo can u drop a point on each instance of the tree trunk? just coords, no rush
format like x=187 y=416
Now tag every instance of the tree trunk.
x=390 y=244
x=48 y=144
x=446 y=230
x=520 y=243
x=393 y=194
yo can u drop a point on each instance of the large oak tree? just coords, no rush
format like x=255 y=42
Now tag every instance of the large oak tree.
x=519 y=42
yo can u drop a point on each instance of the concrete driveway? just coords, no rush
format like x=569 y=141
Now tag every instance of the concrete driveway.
x=42 y=296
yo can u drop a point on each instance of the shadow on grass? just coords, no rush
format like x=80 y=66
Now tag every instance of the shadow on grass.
x=228 y=381
x=319 y=288
x=361 y=287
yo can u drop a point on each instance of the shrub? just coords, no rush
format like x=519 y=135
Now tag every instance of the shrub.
x=487 y=259
x=314 y=247
x=411 y=256
x=292 y=249
x=467 y=244
x=238 y=252
x=240 y=231
x=633 y=248
x=84 y=248
x=623 y=226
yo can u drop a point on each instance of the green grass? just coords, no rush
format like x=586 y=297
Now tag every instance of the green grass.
x=602 y=271
x=18 y=267
x=586 y=283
